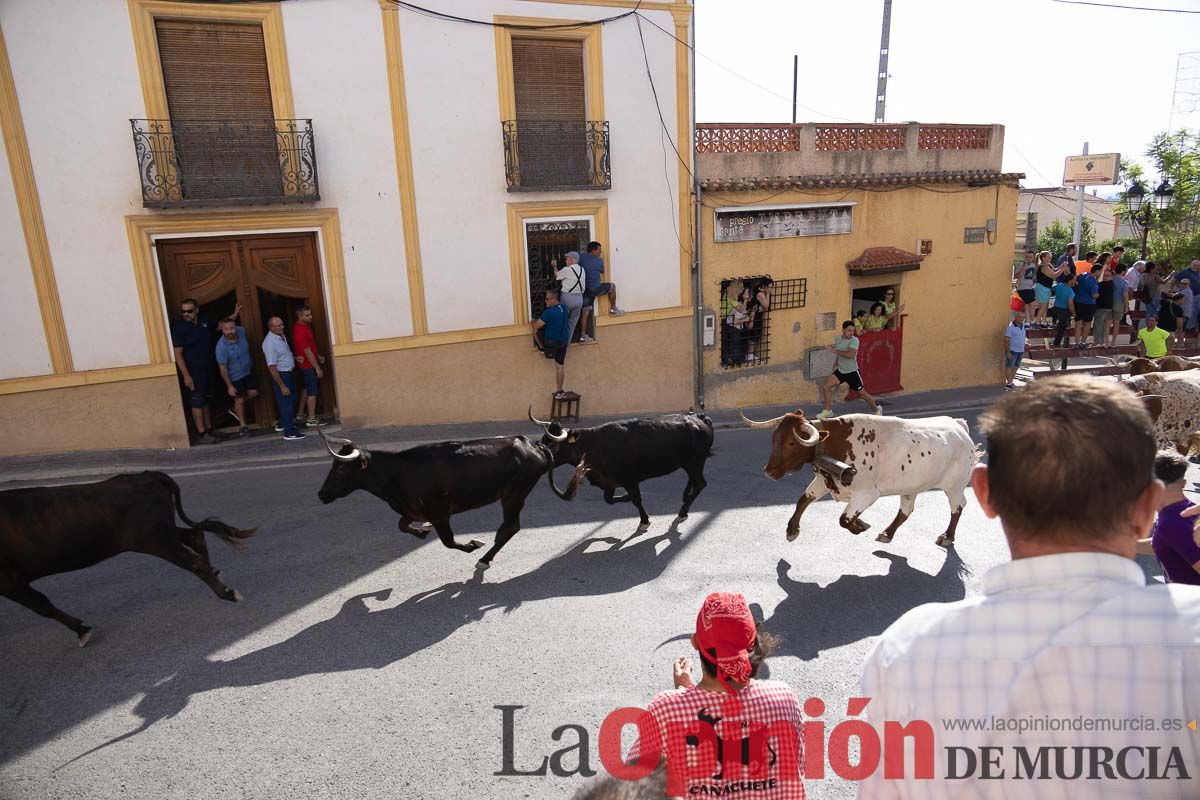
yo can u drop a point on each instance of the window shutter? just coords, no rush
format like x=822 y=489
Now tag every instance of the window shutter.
x=548 y=79
x=214 y=70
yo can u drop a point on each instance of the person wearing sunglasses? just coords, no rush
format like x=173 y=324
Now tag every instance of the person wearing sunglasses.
x=192 y=338
x=891 y=310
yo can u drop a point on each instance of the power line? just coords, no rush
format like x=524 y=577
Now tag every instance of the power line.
x=429 y=12
x=1127 y=8
x=1031 y=164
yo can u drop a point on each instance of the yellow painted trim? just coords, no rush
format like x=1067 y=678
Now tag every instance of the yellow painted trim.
x=142 y=14
x=85 y=378
x=518 y=213
x=593 y=60
x=29 y=208
x=141 y=229
x=643 y=6
x=499 y=332
x=404 y=168
x=683 y=137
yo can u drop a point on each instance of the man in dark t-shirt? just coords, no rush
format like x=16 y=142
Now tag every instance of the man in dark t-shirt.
x=1067 y=259
x=192 y=338
x=593 y=271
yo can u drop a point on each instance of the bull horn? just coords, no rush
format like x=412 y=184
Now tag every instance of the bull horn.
x=811 y=440
x=771 y=423
x=546 y=427
x=352 y=456
x=535 y=420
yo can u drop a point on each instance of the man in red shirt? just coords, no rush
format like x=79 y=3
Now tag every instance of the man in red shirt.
x=308 y=362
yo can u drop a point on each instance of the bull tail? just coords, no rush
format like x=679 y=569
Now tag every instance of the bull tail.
x=573 y=486
x=226 y=533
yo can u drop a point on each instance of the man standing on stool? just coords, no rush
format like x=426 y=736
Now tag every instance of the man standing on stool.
x=557 y=337
x=280 y=364
x=845 y=347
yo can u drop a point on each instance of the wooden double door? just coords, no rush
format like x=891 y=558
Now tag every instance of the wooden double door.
x=270 y=276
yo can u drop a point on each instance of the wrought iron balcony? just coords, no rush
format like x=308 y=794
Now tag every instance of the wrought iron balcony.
x=223 y=162
x=548 y=155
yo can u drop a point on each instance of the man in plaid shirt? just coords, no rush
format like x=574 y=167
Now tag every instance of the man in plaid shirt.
x=730 y=734
x=1067 y=634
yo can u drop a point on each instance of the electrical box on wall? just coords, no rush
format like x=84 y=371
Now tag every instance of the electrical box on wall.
x=708 y=319
x=924 y=246
x=991 y=225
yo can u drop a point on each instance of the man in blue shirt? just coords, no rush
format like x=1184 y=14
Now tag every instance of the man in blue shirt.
x=593 y=270
x=552 y=335
x=1087 y=289
x=233 y=359
x=1064 y=306
x=1067 y=259
x=1014 y=348
x=191 y=336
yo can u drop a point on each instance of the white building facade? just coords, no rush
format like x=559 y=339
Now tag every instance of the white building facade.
x=405 y=174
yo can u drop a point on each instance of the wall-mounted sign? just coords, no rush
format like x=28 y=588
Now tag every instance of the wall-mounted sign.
x=1092 y=170
x=974 y=235
x=745 y=223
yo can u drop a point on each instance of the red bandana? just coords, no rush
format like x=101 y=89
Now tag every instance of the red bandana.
x=725 y=624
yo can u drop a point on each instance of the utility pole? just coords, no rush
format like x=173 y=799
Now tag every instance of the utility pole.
x=1079 y=214
x=795 y=73
x=881 y=90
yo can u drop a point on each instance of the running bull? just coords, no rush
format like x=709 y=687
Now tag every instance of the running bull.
x=1173 y=400
x=861 y=457
x=1145 y=366
x=431 y=482
x=625 y=453
x=48 y=530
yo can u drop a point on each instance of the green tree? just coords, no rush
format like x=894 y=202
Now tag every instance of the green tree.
x=1174 y=234
x=1057 y=235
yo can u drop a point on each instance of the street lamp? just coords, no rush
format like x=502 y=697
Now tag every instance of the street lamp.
x=1141 y=213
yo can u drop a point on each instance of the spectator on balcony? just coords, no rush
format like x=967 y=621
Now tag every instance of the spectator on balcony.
x=877 y=320
x=1085 y=265
x=593 y=267
x=552 y=335
x=1066 y=261
x=280 y=363
x=891 y=310
x=233 y=360
x=757 y=305
x=1151 y=288
x=1044 y=288
x=1104 y=302
x=191 y=336
x=572 y=282
x=1120 y=302
x=860 y=322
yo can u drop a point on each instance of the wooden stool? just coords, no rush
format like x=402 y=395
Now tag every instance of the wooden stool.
x=565 y=407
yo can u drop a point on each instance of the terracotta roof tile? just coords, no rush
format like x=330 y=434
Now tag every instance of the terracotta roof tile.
x=968 y=177
x=882 y=260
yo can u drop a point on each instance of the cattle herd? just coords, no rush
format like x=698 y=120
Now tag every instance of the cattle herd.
x=857 y=458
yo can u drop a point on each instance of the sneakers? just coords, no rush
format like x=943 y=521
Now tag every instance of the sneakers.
x=279 y=427
x=615 y=312
x=1010 y=386
x=878 y=410
x=584 y=338
x=751 y=357
x=293 y=437
x=826 y=414
x=243 y=432
x=206 y=438
x=312 y=422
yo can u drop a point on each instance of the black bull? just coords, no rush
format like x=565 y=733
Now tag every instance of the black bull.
x=48 y=530
x=625 y=453
x=432 y=482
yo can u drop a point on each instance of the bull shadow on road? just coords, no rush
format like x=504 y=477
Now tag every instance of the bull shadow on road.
x=358 y=637
x=813 y=618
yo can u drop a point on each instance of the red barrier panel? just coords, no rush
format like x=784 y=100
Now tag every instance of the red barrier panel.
x=879 y=360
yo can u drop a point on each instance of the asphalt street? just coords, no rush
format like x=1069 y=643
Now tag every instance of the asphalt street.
x=365 y=663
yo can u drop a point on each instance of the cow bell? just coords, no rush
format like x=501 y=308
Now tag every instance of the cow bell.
x=840 y=471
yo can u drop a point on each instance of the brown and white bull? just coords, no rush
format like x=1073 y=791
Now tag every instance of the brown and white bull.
x=1173 y=399
x=1144 y=366
x=879 y=456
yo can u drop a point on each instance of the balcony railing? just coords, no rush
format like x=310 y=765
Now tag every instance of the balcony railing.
x=224 y=162
x=549 y=155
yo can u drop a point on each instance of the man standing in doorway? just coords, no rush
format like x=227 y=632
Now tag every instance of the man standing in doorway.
x=845 y=347
x=593 y=267
x=233 y=360
x=192 y=340
x=308 y=361
x=280 y=364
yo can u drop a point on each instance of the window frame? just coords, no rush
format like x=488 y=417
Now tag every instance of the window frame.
x=593 y=60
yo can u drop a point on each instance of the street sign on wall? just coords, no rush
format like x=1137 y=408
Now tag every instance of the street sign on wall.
x=1099 y=169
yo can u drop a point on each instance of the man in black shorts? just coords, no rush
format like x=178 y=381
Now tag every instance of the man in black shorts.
x=845 y=347
x=552 y=335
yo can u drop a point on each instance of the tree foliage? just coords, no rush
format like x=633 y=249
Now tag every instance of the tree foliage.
x=1174 y=231
x=1057 y=235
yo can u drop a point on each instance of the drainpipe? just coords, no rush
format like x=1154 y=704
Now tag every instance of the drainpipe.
x=697 y=285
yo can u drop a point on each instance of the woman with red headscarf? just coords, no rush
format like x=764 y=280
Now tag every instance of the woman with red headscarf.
x=707 y=731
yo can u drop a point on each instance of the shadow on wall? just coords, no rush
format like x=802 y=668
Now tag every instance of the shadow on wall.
x=812 y=619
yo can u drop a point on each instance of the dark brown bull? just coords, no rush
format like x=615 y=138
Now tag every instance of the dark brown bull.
x=53 y=529
x=1145 y=366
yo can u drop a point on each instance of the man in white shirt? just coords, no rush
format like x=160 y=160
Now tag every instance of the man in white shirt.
x=1067 y=658
x=573 y=282
x=280 y=364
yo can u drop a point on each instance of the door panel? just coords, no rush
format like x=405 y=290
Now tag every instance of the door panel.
x=269 y=276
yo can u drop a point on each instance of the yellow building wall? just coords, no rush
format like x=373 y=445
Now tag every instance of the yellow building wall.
x=956 y=303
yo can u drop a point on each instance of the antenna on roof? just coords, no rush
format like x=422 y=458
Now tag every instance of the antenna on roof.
x=881 y=90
